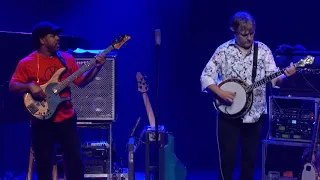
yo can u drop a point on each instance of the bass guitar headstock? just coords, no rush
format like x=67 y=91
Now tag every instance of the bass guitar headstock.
x=143 y=86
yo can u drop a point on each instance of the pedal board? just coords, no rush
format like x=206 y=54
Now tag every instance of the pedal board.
x=120 y=175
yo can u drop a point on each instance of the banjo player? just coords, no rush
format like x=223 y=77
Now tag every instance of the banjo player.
x=234 y=59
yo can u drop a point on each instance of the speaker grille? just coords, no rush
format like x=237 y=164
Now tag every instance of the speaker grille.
x=96 y=101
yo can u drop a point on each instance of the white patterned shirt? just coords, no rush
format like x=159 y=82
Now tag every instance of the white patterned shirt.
x=228 y=62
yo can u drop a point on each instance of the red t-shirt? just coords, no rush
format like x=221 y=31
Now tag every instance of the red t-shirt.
x=35 y=66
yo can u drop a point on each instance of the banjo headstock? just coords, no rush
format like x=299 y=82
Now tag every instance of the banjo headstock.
x=305 y=61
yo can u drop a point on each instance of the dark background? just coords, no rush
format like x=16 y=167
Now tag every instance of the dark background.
x=191 y=31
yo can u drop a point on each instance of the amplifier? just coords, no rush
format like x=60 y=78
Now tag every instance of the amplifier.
x=122 y=174
x=118 y=176
x=96 y=157
x=96 y=101
x=292 y=118
x=95 y=144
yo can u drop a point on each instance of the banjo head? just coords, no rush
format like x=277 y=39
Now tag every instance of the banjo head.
x=240 y=100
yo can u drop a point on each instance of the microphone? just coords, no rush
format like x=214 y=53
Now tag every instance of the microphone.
x=157 y=34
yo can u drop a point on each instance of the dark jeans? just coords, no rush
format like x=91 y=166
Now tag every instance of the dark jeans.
x=229 y=132
x=44 y=135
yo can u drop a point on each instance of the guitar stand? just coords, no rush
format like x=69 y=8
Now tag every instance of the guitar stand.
x=150 y=148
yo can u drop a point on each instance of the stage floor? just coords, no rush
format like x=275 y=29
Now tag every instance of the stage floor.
x=210 y=175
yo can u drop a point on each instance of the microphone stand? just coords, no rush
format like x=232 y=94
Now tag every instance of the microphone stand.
x=157 y=48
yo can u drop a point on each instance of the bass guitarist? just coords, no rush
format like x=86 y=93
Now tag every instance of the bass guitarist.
x=234 y=59
x=36 y=69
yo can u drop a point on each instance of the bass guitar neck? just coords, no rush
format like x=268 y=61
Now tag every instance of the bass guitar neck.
x=149 y=110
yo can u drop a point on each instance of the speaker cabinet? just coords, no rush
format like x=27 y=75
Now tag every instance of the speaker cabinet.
x=96 y=101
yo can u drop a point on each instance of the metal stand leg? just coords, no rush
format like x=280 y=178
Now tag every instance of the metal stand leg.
x=150 y=145
x=131 y=149
x=147 y=157
x=263 y=168
x=110 y=148
x=30 y=168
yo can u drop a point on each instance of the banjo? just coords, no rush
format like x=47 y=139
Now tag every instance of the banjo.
x=244 y=93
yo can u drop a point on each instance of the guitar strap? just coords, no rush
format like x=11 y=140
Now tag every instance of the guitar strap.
x=62 y=60
x=255 y=59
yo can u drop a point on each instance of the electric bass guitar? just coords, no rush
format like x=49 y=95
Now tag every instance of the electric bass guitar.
x=243 y=100
x=46 y=108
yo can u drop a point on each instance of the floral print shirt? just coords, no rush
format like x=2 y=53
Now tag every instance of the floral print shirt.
x=228 y=62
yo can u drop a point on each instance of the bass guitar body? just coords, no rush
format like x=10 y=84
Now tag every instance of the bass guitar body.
x=45 y=109
x=242 y=102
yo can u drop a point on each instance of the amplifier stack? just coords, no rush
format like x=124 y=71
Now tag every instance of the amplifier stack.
x=292 y=127
x=292 y=118
x=95 y=105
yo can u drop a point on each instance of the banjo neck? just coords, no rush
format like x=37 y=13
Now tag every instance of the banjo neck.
x=264 y=80
x=307 y=60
